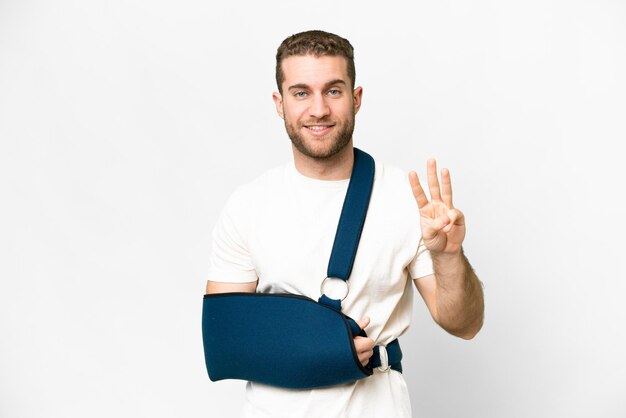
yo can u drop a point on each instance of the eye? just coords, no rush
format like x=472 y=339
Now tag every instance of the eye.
x=300 y=94
x=334 y=92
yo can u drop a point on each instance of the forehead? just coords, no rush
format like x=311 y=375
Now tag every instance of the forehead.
x=314 y=71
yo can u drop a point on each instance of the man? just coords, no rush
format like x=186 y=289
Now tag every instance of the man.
x=275 y=235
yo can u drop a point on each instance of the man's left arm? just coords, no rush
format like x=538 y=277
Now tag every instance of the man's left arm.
x=453 y=293
x=454 y=296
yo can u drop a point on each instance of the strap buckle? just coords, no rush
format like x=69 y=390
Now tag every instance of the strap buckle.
x=384 y=359
x=334 y=291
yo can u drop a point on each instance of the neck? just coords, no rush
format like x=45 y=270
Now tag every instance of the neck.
x=337 y=167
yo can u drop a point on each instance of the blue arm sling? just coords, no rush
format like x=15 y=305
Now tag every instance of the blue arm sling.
x=293 y=341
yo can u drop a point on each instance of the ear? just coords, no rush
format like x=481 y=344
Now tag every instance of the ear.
x=278 y=102
x=357 y=95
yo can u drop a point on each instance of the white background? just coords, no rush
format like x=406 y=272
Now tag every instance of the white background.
x=124 y=126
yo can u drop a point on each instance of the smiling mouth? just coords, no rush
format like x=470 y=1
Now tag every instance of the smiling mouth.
x=318 y=130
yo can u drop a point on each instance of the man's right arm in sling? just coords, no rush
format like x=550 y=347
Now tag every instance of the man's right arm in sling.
x=223 y=287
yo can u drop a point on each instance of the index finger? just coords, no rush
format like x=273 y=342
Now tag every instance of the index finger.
x=418 y=192
x=446 y=187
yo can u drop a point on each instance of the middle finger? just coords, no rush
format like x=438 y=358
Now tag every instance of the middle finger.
x=433 y=181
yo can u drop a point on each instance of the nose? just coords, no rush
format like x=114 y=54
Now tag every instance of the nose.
x=319 y=108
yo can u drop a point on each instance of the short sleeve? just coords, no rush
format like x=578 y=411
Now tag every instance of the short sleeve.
x=422 y=263
x=230 y=260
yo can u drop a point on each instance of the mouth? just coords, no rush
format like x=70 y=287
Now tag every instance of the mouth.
x=318 y=130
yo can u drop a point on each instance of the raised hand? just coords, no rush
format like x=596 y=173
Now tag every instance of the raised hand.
x=443 y=226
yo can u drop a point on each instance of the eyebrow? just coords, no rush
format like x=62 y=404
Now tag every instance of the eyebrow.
x=306 y=86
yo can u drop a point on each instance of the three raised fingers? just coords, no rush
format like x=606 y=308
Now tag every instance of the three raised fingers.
x=443 y=192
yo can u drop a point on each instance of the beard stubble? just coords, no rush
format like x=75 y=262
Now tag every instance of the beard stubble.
x=337 y=142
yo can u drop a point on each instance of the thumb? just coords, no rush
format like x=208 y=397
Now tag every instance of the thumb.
x=363 y=322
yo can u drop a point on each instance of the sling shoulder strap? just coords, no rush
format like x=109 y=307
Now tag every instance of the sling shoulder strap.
x=352 y=216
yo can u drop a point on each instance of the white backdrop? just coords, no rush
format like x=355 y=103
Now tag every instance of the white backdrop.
x=124 y=126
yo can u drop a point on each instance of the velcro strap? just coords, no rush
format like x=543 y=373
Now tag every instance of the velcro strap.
x=394 y=356
x=331 y=303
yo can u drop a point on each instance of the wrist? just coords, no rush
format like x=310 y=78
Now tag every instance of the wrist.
x=447 y=257
x=449 y=266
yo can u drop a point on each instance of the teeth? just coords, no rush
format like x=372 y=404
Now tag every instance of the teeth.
x=317 y=128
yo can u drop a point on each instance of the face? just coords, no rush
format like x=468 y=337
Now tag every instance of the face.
x=318 y=104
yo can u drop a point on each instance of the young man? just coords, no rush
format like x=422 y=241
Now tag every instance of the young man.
x=275 y=235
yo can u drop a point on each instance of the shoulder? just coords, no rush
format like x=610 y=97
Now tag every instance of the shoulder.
x=258 y=188
x=389 y=172
x=391 y=178
x=392 y=190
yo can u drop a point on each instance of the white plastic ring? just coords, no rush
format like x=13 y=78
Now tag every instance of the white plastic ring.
x=345 y=282
x=384 y=359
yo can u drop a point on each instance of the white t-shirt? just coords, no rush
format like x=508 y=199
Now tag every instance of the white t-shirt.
x=280 y=229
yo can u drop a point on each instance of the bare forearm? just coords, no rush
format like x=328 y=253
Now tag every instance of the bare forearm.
x=222 y=287
x=459 y=296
